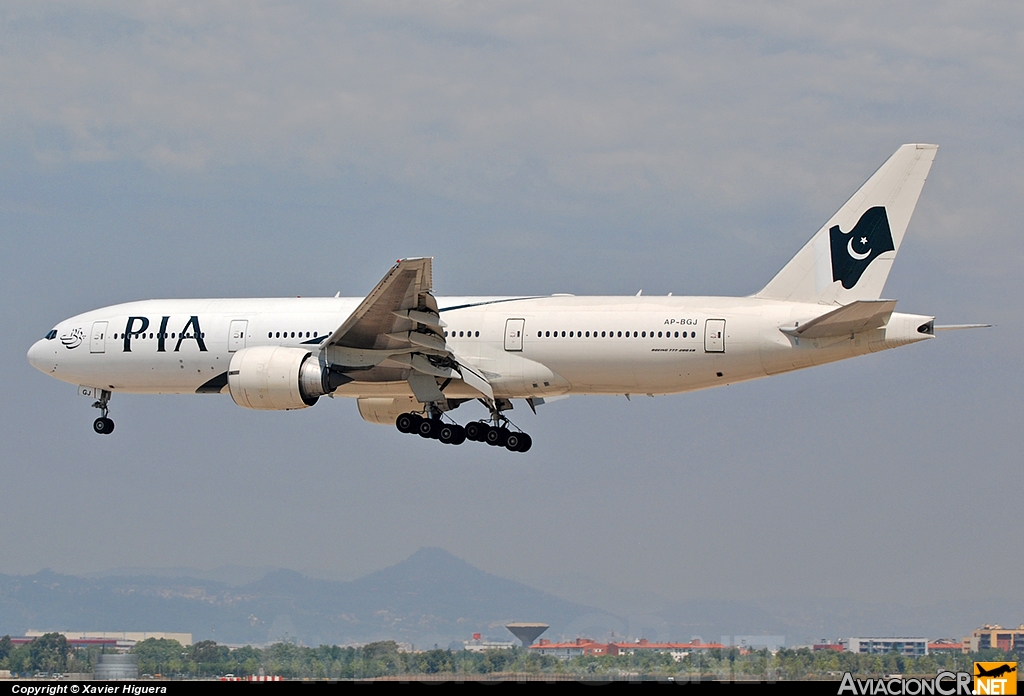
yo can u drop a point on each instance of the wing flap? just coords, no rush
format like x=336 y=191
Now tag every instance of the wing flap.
x=397 y=332
x=405 y=287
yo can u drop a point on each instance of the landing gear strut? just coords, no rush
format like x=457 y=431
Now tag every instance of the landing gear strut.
x=103 y=425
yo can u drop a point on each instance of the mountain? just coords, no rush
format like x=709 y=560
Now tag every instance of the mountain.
x=432 y=597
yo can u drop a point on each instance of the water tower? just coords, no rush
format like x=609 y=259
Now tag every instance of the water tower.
x=527 y=632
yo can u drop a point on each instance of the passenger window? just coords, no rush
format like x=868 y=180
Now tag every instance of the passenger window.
x=478 y=334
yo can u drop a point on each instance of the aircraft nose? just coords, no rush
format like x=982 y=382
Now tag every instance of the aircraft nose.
x=36 y=355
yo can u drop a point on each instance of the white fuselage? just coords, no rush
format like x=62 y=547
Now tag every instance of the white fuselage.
x=526 y=347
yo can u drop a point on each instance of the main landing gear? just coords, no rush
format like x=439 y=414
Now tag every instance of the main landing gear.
x=455 y=434
x=103 y=425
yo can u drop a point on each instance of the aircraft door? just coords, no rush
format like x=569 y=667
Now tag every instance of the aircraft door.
x=714 y=336
x=236 y=335
x=514 y=329
x=98 y=340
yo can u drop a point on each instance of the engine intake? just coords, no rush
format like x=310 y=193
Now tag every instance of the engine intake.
x=276 y=378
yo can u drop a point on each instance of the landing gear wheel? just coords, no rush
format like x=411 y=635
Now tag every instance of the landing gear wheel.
x=451 y=434
x=428 y=428
x=518 y=442
x=525 y=443
x=497 y=437
x=460 y=435
x=103 y=426
x=477 y=431
x=407 y=422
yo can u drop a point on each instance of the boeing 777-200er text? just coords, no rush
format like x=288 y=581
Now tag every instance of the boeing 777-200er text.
x=409 y=358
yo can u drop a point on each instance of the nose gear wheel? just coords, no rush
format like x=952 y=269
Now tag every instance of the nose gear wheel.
x=103 y=425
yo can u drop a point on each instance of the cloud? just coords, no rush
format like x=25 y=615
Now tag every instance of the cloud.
x=465 y=100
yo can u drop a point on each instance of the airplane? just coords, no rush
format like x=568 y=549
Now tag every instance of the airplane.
x=409 y=358
x=999 y=671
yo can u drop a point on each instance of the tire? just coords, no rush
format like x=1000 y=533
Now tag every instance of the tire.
x=513 y=442
x=525 y=442
x=429 y=428
x=405 y=423
x=460 y=435
x=476 y=431
x=447 y=433
x=496 y=437
x=103 y=426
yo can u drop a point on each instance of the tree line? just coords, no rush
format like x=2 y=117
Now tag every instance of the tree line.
x=51 y=654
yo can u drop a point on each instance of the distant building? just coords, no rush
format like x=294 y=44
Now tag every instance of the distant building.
x=824 y=644
x=479 y=644
x=908 y=647
x=586 y=646
x=563 y=651
x=122 y=641
x=770 y=643
x=677 y=650
x=945 y=646
x=995 y=636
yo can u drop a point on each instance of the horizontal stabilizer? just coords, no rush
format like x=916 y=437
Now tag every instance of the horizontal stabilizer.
x=863 y=315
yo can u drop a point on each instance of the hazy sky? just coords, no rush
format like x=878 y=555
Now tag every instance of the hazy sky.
x=202 y=149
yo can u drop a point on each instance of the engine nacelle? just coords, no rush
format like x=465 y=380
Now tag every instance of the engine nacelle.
x=275 y=378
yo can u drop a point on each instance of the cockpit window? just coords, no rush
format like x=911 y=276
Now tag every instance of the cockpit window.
x=52 y=335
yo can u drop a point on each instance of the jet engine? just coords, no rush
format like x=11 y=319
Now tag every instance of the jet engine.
x=276 y=378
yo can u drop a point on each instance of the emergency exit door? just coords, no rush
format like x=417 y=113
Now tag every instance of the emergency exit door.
x=98 y=338
x=714 y=336
x=514 y=334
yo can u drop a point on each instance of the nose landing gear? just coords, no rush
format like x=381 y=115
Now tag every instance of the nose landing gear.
x=103 y=425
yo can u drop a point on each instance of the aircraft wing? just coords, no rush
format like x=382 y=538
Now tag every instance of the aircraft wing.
x=396 y=334
x=862 y=315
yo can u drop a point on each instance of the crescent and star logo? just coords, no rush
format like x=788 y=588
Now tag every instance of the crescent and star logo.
x=853 y=251
x=73 y=339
